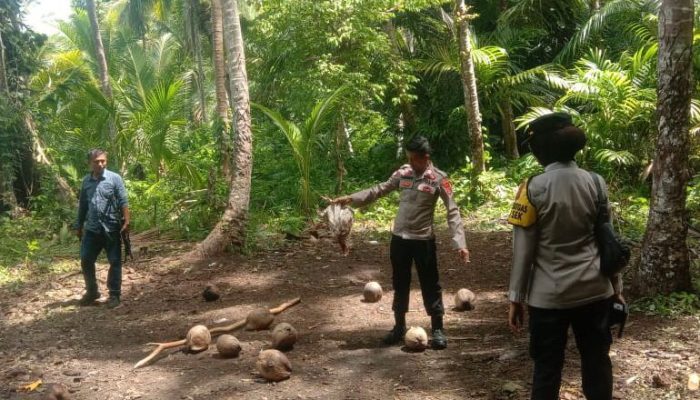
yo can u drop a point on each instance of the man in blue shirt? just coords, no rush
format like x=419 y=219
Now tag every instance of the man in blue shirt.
x=103 y=215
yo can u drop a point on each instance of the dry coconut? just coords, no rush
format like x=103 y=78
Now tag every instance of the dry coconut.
x=284 y=336
x=211 y=293
x=259 y=319
x=416 y=338
x=339 y=220
x=372 y=292
x=273 y=365
x=228 y=346
x=198 y=338
x=464 y=300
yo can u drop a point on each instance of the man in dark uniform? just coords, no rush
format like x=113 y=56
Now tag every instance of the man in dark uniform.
x=103 y=213
x=421 y=184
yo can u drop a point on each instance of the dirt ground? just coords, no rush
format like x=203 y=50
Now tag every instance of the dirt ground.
x=91 y=350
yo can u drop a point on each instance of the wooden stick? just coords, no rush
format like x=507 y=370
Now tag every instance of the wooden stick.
x=213 y=331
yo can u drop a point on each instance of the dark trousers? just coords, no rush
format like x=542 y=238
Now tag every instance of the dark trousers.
x=548 y=335
x=403 y=253
x=90 y=247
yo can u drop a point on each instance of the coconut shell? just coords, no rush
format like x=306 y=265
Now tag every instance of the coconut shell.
x=228 y=346
x=211 y=293
x=464 y=300
x=416 y=338
x=284 y=336
x=198 y=338
x=273 y=365
x=259 y=319
x=372 y=292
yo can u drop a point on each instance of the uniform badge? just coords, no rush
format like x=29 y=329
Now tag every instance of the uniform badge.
x=523 y=213
x=426 y=188
x=447 y=186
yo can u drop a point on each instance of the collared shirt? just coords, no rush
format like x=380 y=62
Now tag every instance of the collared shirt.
x=555 y=261
x=101 y=202
x=419 y=194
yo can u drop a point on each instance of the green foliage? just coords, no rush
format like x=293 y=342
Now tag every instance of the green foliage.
x=35 y=245
x=672 y=305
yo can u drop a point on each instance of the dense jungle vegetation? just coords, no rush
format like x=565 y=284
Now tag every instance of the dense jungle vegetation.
x=336 y=87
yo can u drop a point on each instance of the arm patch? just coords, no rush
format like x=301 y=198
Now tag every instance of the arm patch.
x=523 y=213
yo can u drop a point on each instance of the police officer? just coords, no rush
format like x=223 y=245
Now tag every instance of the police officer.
x=103 y=212
x=556 y=265
x=413 y=239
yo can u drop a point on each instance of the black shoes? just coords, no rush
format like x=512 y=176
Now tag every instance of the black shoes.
x=89 y=299
x=113 y=302
x=439 y=341
x=395 y=336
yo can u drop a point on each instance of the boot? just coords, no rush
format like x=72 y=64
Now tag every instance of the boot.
x=439 y=341
x=394 y=336
x=89 y=298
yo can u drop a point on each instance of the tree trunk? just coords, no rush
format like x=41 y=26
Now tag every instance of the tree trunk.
x=510 y=139
x=219 y=64
x=471 y=99
x=193 y=22
x=3 y=72
x=101 y=63
x=222 y=105
x=230 y=230
x=64 y=190
x=664 y=265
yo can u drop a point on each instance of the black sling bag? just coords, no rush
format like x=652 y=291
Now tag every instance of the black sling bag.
x=614 y=255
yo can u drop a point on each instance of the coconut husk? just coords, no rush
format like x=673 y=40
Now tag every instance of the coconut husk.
x=339 y=219
x=211 y=293
x=259 y=319
x=284 y=336
x=416 y=338
x=228 y=346
x=273 y=365
x=372 y=292
x=198 y=338
x=464 y=300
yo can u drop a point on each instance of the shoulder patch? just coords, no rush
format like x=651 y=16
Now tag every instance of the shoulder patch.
x=446 y=186
x=523 y=213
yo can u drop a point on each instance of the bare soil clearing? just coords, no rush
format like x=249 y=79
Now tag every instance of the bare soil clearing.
x=92 y=350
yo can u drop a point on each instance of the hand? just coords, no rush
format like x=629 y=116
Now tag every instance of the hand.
x=79 y=233
x=516 y=315
x=342 y=200
x=125 y=227
x=464 y=255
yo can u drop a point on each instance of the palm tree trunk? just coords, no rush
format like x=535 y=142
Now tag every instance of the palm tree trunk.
x=471 y=99
x=219 y=64
x=230 y=230
x=664 y=265
x=222 y=105
x=101 y=63
x=510 y=139
x=3 y=71
x=193 y=18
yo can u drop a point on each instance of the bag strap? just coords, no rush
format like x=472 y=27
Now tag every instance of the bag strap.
x=602 y=201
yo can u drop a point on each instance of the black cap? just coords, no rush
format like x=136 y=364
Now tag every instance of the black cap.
x=548 y=123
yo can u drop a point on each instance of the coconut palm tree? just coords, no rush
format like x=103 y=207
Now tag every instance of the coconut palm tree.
x=304 y=139
x=101 y=63
x=664 y=266
x=469 y=86
x=230 y=230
